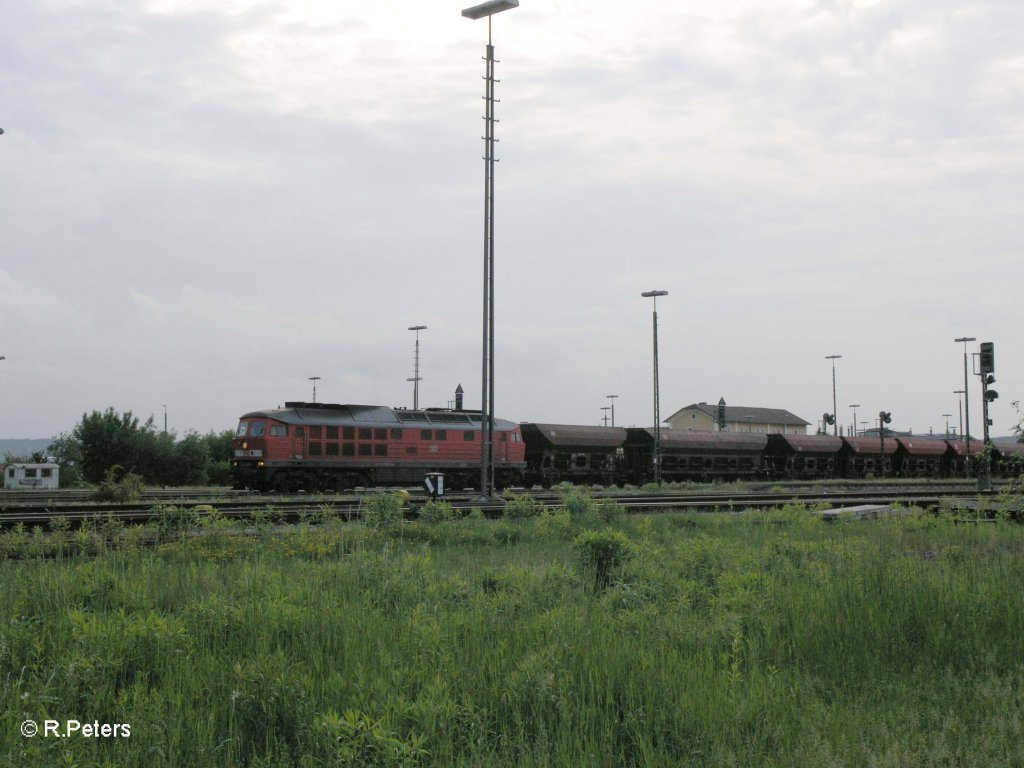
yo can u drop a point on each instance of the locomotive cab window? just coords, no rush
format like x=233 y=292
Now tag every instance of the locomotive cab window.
x=243 y=429
x=278 y=430
x=256 y=429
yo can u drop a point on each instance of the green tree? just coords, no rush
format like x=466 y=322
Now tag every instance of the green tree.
x=107 y=439
x=218 y=449
x=191 y=460
x=66 y=450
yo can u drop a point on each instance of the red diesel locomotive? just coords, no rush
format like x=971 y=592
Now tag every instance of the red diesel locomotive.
x=325 y=446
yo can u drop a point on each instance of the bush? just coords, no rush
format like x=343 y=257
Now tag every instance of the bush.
x=603 y=553
x=172 y=520
x=522 y=507
x=355 y=738
x=382 y=510
x=119 y=487
x=435 y=511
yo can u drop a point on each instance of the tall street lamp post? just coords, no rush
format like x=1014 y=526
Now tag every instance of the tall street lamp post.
x=314 y=379
x=416 y=368
x=855 y=406
x=960 y=410
x=657 y=403
x=947 y=415
x=835 y=417
x=967 y=406
x=486 y=10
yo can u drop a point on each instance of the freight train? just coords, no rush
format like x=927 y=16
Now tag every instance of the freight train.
x=324 y=446
x=605 y=455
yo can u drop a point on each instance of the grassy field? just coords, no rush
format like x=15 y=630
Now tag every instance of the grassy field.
x=572 y=639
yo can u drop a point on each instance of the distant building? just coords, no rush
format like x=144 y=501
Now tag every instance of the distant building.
x=702 y=417
x=32 y=476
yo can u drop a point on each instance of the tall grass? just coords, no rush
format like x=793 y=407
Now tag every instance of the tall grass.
x=718 y=641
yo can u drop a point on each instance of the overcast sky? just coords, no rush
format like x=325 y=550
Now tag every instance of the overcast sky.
x=204 y=203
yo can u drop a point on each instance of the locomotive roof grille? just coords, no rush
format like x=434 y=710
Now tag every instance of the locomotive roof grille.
x=332 y=413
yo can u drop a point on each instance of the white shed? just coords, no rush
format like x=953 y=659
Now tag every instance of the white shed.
x=32 y=476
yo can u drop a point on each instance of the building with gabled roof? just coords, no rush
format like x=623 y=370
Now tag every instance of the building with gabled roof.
x=702 y=417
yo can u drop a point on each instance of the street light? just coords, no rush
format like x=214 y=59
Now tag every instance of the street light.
x=612 y=398
x=835 y=417
x=487 y=10
x=855 y=406
x=947 y=415
x=967 y=406
x=960 y=409
x=314 y=379
x=604 y=418
x=165 y=418
x=657 y=404
x=416 y=370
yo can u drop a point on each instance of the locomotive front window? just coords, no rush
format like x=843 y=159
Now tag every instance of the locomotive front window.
x=256 y=429
x=243 y=429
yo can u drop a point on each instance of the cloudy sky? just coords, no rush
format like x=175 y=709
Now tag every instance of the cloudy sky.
x=205 y=203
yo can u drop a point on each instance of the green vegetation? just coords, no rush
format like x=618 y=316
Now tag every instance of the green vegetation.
x=101 y=442
x=561 y=638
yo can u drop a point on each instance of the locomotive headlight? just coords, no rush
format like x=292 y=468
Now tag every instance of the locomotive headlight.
x=245 y=446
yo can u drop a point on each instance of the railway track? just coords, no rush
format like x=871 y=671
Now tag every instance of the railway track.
x=350 y=506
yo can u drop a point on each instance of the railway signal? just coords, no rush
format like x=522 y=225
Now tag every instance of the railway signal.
x=987 y=366
x=884 y=417
x=988 y=357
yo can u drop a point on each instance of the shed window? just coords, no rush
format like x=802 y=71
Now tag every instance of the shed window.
x=365 y=433
x=365 y=449
x=380 y=434
x=348 y=433
x=332 y=433
x=380 y=449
